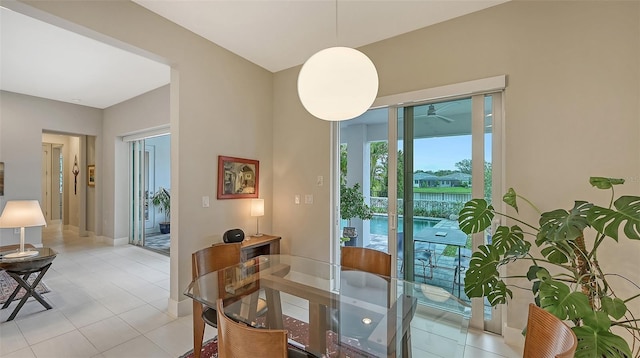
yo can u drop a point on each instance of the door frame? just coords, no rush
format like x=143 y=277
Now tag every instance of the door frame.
x=137 y=148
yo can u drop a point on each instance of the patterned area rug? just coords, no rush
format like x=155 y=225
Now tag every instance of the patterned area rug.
x=298 y=331
x=8 y=284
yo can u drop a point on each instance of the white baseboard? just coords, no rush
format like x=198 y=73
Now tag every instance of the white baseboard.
x=180 y=308
x=114 y=242
x=71 y=228
x=121 y=241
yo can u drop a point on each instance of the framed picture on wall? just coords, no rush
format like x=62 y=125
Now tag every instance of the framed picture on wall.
x=91 y=175
x=238 y=178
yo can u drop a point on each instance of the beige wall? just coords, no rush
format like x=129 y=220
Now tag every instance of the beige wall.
x=301 y=152
x=572 y=110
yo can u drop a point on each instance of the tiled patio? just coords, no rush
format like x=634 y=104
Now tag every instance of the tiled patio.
x=444 y=270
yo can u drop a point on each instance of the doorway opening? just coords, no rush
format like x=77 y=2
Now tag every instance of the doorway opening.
x=67 y=198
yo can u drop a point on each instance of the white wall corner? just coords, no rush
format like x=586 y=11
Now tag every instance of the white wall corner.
x=180 y=308
x=513 y=336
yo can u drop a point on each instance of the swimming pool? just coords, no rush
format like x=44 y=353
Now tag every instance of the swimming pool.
x=378 y=224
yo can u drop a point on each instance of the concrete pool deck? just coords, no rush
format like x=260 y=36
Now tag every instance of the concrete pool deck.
x=444 y=266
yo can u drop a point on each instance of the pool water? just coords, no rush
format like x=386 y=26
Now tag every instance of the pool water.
x=378 y=224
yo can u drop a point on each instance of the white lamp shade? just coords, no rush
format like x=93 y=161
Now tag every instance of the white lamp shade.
x=338 y=83
x=22 y=213
x=257 y=207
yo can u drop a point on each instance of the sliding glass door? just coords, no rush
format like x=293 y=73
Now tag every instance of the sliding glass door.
x=416 y=166
x=150 y=173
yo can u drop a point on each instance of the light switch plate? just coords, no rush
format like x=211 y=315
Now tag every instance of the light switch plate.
x=308 y=199
x=296 y=199
x=205 y=201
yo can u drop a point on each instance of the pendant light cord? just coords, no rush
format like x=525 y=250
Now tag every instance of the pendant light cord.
x=337 y=42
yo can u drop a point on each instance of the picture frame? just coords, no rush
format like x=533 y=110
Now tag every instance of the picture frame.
x=238 y=178
x=91 y=175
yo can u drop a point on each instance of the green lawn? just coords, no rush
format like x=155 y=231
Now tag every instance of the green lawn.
x=451 y=190
x=451 y=250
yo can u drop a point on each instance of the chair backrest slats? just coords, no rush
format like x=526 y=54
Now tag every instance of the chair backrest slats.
x=214 y=258
x=547 y=336
x=236 y=340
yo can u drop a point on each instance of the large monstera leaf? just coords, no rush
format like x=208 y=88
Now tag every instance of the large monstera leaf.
x=560 y=225
x=510 y=240
x=607 y=221
x=596 y=338
x=475 y=216
x=558 y=252
x=482 y=278
x=594 y=343
x=557 y=298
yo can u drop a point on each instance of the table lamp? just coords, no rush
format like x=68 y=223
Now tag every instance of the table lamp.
x=22 y=214
x=257 y=210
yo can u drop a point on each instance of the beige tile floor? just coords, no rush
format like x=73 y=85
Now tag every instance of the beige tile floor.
x=112 y=302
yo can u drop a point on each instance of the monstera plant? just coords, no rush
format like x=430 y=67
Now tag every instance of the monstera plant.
x=565 y=275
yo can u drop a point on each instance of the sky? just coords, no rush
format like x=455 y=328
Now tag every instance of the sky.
x=442 y=153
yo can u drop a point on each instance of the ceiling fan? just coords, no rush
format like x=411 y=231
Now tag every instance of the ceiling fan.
x=431 y=113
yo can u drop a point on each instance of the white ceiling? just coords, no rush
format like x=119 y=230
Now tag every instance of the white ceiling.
x=277 y=34
x=46 y=61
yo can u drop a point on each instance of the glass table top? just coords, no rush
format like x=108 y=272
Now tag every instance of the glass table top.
x=338 y=309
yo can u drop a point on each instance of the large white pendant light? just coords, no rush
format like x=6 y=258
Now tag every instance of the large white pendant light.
x=337 y=83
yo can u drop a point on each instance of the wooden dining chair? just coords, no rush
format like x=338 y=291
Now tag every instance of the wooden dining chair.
x=365 y=259
x=204 y=261
x=237 y=340
x=547 y=336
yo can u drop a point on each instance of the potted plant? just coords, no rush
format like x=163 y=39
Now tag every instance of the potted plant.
x=565 y=276
x=352 y=205
x=161 y=199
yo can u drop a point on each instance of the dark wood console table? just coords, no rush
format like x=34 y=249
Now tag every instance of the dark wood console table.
x=253 y=246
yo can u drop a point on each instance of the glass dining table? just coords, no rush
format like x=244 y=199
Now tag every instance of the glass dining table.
x=333 y=311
